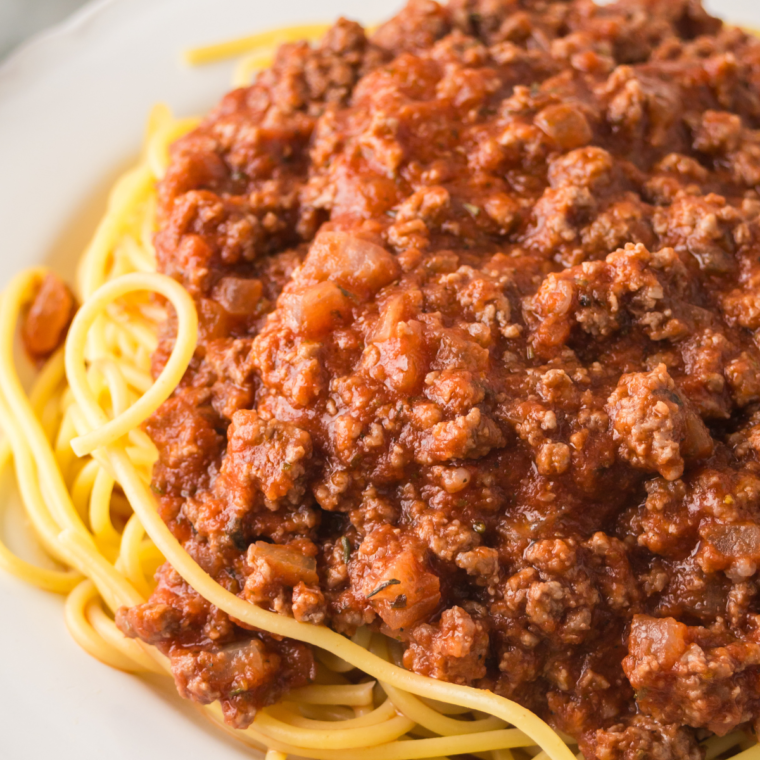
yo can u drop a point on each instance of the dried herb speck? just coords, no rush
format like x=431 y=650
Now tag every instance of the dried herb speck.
x=346 y=544
x=381 y=586
x=399 y=603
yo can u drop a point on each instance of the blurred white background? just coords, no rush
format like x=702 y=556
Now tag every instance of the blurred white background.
x=21 y=18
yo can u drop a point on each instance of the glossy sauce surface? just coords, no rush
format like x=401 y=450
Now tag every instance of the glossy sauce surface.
x=479 y=298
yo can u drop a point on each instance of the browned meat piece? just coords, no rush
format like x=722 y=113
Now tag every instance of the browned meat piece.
x=184 y=432
x=656 y=426
x=692 y=676
x=242 y=676
x=455 y=649
x=644 y=737
x=264 y=457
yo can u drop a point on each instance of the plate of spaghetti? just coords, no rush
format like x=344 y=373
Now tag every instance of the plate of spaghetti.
x=403 y=401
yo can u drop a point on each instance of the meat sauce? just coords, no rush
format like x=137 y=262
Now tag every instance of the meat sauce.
x=479 y=299
x=47 y=321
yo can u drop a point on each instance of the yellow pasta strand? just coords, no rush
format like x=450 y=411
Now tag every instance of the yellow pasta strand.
x=136 y=651
x=352 y=695
x=57 y=581
x=106 y=431
x=717 y=745
x=385 y=712
x=339 y=738
x=130 y=555
x=753 y=753
x=18 y=293
x=86 y=636
x=270 y=39
x=132 y=188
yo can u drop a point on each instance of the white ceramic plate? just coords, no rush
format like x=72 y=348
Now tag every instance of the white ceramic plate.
x=73 y=103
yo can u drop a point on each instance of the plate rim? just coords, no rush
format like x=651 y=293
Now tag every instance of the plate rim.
x=75 y=20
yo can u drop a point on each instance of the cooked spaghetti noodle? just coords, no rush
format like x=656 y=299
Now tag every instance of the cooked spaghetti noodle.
x=83 y=467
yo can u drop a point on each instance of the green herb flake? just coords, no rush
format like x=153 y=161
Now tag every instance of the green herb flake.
x=383 y=585
x=347 y=293
x=238 y=692
x=472 y=210
x=674 y=397
x=157 y=490
x=286 y=465
x=346 y=544
x=479 y=527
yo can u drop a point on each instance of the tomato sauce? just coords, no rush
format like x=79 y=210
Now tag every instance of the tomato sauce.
x=479 y=368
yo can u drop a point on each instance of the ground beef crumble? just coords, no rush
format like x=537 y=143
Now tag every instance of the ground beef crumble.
x=479 y=301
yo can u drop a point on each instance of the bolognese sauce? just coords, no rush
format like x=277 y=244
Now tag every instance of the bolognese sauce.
x=47 y=320
x=479 y=299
